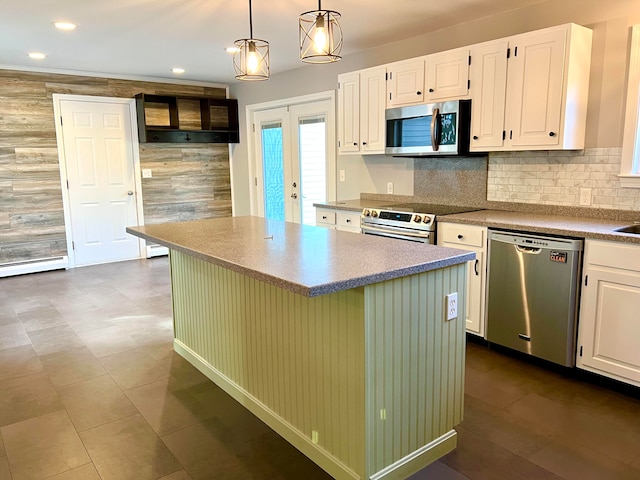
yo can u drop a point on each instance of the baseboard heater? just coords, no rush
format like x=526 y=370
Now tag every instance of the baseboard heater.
x=33 y=266
x=154 y=250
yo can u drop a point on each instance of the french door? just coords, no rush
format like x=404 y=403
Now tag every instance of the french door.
x=294 y=160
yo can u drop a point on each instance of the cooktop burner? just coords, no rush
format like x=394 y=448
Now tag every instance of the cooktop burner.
x=427 y=208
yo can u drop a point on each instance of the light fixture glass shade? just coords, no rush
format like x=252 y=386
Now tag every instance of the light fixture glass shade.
x=320 y=36
x=251 y=61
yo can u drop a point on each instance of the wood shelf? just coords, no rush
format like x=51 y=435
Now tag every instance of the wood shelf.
x=186 y=119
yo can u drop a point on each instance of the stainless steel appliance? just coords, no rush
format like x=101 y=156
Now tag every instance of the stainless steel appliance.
x=410 y=221
x=532 y=294
x=429 y=130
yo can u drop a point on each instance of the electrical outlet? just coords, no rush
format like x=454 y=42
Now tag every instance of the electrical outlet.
x=342 y=176
x=452 y=306
x=389 y=187
x=585 y=196
x=146 y=173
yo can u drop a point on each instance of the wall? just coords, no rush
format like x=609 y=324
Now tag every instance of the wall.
x=188 y=182
x=610 y=22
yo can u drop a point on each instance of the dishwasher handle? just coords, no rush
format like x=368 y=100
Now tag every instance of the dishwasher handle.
x=529 y=250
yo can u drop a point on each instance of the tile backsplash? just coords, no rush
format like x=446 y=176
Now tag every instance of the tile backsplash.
x=556 y=177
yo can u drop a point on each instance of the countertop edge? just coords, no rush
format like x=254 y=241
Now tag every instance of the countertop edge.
x=318 y=290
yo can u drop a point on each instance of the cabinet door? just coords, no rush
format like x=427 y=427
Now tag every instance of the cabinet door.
x=447 y=75
x=406 y=83
x=349 y=113
x=609 y=341
x=348 y=222
x=373 y=89
x=325 y=218
x=488 y=75
x=473 y=238
x=534 y=88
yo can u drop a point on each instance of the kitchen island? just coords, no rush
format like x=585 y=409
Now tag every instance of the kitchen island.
x=338 y=341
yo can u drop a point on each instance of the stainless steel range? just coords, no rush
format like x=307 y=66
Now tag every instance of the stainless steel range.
x=415 y=222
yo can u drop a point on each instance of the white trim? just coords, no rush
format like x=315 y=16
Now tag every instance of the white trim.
x=329 y=95
x=630 y=164
x=418 y=459
x=156 y=251
x=629 y=181
x=115 y=76
x=34 y=266
x=135 y=147
x=324 y=459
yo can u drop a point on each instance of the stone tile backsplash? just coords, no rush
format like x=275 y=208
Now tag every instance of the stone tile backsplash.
x=556 y=177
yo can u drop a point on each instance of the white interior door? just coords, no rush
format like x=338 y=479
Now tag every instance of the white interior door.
x=295 y=160
x=99 y=163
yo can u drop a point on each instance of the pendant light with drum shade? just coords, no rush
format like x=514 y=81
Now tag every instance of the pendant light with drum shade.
x=251 y=61
x=320 y=36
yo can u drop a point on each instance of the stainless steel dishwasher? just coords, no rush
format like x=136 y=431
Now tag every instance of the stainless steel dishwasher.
x=532 y=294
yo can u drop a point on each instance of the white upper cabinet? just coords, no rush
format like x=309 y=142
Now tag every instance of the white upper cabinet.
x=545 y=100
x=361 y=105
x=349 y=113
x=447 y=75
x=406 y=83
x=373 y=90
x=488 y=75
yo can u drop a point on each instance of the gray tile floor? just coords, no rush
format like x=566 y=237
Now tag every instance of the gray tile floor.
x=90 y=388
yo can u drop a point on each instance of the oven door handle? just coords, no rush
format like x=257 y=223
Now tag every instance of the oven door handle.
x=397 y=233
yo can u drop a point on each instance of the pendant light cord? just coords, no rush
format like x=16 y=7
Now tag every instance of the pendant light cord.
x=251 y=21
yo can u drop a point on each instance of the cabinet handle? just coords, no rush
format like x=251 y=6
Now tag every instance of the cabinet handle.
x=418 y=93
x=348 y=220
x=552 y=134
x=475 y=267
x=431 y=90
x=364 y=143
x=475 y=137
x=355 y=144
x=460 y=236
x=324 y=217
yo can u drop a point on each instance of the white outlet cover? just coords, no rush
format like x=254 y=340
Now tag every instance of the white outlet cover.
x=146 y=173
x=452 y=306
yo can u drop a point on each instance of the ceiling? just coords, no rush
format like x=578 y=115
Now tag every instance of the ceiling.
x=149 y=37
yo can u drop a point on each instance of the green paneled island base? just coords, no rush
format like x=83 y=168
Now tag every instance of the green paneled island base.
x=338 y=341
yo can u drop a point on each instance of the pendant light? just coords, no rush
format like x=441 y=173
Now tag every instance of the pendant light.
x=320 y=36
x=251 y=61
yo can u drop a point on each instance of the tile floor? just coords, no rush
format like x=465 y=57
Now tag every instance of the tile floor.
x=90 y=389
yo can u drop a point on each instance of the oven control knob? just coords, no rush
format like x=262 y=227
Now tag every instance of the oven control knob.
x=366 y=213
x=427 y=220
x=417 y=219
x=374 y=214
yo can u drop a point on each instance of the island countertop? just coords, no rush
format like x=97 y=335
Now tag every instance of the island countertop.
x=307 y=260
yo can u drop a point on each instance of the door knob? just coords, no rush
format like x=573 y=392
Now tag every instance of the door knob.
x=294 y=195
x=294 y=185
x=130 y=192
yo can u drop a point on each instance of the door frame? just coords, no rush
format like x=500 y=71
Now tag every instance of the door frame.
x=135 y=147
x=331 y=140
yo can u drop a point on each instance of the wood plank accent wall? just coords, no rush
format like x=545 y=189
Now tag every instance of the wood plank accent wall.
x=190 y=182
x=377 y=371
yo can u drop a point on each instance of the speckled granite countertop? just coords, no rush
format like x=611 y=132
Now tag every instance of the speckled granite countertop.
x=551 y=224
x=307 y=260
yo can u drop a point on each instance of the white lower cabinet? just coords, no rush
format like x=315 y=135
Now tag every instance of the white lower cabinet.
x=473 y=238
x=609 y=326
x=338 y=219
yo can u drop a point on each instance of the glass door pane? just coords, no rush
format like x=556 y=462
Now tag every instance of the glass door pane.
x=312 y=143
x=273 y=172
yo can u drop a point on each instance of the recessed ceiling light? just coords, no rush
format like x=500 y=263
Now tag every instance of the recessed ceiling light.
x=232 y=49
x=177 y=70
x=65 y=25
x=37 y=55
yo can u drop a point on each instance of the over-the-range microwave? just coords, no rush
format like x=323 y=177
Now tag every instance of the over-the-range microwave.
x=429 y=130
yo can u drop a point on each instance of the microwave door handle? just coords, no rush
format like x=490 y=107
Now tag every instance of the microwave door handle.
x=435 y=129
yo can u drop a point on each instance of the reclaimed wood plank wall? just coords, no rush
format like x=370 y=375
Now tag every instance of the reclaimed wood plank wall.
x=189 y=182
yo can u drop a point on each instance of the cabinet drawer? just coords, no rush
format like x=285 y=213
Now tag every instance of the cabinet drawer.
x=613 y=254
x=463 y=235
x=326 y=217
x=348 y=220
